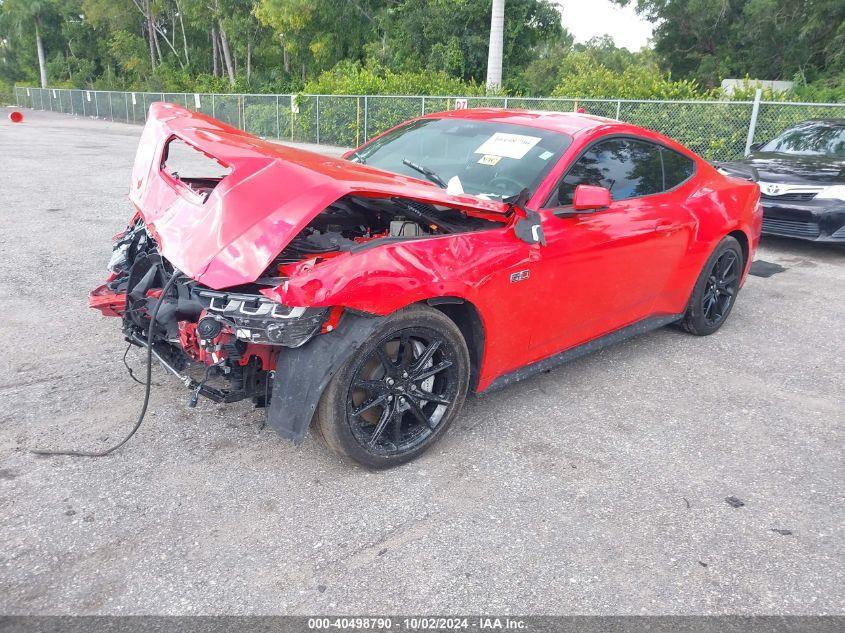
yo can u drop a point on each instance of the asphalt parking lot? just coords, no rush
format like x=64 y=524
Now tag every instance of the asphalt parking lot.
x=598 y=488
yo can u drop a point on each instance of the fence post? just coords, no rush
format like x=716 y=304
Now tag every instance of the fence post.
x=366 y=132
x=357 y=121
x=752 y=126
x=318 y=119
x=278 y=121
x=213 y=114
x=96 y=105
x=422 y=105
x=618 y=108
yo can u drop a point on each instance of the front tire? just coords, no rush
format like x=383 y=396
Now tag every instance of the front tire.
x=398 y=392
x=715 y=290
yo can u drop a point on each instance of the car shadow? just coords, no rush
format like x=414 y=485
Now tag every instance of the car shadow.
x=791 y=246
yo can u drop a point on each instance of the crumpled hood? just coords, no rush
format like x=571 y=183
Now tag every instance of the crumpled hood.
x=271 y=193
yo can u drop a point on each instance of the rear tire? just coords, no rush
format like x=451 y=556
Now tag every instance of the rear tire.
x=398 y=392
x=716 y=289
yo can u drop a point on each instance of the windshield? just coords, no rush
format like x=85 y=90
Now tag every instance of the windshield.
x=813 y=138
x=492 y=160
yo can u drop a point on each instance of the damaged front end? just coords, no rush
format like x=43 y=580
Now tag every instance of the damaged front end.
x=221 y=344
x=240 y=239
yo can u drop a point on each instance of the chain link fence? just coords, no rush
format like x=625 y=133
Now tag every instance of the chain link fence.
x=717 y=130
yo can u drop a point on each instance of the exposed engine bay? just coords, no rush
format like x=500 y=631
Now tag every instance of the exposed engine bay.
x=355 y=223
x=224 y=344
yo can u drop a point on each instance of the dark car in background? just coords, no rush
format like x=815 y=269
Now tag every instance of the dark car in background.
x=801 y=174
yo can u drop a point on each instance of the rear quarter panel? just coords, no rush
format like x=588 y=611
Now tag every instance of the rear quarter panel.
x=718 y=205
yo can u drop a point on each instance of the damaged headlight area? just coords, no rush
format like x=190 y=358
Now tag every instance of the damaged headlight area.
x=257 y=319
x=222 y=344
x=139 y=271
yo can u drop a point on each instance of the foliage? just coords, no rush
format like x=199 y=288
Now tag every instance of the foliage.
x=418 y=47
x=317 y=35
x=353 y=78
x=766 y=39
x=582 y=76
x=452 y=35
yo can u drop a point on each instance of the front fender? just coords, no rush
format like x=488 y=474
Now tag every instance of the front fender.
x=388 y=277
x=302 y=374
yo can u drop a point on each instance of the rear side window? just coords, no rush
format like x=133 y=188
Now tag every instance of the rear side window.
x=627 y=167
x=676 y=168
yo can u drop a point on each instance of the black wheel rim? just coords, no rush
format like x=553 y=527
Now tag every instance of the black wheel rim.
x=402 y=391
x=721 y=288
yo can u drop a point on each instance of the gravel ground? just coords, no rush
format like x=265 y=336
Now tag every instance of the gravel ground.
x=598 y=488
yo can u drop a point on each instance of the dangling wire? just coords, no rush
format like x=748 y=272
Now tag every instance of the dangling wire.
x=147 y=384
x=128 y=368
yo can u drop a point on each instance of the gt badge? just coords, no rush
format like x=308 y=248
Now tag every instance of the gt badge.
x=520 y=275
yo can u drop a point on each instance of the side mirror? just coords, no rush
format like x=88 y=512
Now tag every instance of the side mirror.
x=755 y=146
x=590 y=198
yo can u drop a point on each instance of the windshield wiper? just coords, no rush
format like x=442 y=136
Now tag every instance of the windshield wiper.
x=429 y=173
x=362 y=159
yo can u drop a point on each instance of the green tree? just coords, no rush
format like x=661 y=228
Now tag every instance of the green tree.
x=317 y=35
x=766 y=39
x=452 y=35
x=36 y=15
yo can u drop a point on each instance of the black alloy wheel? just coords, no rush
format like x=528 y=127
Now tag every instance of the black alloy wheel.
x=401 y=390
x=722 y=286
x=398 y=392
x=716 y=289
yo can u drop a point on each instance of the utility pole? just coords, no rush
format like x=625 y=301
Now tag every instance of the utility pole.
x=494 y=54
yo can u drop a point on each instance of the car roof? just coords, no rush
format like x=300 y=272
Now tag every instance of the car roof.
x=570 y=123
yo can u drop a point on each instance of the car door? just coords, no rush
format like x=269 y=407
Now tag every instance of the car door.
x=604 y=269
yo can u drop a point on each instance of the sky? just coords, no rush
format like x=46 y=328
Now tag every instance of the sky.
x=587 y=18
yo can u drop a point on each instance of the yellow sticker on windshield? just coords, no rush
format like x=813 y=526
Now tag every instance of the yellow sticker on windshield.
x=489 y=159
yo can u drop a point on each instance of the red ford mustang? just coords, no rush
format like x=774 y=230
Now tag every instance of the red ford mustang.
x=456 y=252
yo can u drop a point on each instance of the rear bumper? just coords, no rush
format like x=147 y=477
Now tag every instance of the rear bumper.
x=815 y=220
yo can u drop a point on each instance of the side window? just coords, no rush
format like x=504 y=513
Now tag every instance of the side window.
x=628 y=168
x=676 y=168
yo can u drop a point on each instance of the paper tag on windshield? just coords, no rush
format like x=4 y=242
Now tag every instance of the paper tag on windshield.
x=508 y=145
x=454 y=186
x=489 y=159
